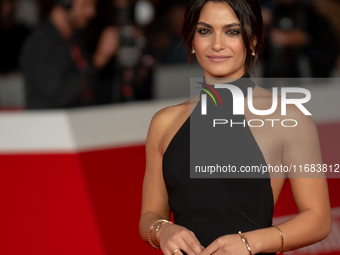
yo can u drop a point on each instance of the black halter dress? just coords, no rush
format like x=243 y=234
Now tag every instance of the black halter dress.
x=213 y=207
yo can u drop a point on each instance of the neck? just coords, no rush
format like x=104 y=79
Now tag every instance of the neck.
x=215 y=80
x=59 y=18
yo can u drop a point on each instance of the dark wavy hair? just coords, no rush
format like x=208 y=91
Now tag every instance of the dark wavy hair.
x=249 y=14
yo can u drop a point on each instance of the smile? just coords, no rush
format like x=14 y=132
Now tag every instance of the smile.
x=218 y=59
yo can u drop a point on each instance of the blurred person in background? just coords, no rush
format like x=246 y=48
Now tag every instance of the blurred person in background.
x=58 y=71
x=12 y=37
x=128 y=76
x=168 y=43
x=135 y=61
x=299 y=41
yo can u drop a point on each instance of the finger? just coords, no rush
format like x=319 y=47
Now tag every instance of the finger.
x=177 y=253
x=210 y=249
x=171 y=252
x=220 y=251
x=190 y=247
x=198 y=242
x=193 y=243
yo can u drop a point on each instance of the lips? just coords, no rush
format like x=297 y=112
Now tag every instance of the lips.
x=218 y=58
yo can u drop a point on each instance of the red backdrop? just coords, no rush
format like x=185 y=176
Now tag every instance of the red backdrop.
x=89 y=202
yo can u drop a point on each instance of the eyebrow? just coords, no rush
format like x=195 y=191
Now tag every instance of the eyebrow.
x=225 y=26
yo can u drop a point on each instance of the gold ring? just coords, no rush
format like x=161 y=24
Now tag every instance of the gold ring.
x=176 y=250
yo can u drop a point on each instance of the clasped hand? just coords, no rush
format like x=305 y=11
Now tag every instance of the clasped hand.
x=173 y=237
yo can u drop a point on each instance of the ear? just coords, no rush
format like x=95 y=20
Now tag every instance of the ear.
x=254 y=42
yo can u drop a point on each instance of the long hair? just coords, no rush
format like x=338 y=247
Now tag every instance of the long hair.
x=249 y=14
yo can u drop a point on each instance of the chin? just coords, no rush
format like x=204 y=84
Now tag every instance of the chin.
x=221 y=72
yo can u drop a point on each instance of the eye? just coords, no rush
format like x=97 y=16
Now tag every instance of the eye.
x=203 y=31
x=233 y=32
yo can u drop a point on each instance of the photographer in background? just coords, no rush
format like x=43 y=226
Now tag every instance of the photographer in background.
x=58 y=71
x=299 y=42
x=129 y=75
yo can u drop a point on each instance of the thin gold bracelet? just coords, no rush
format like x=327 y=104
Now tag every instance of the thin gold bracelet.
x=150 y=231
x=282 y=240
x=159 y=227
x=244 y=239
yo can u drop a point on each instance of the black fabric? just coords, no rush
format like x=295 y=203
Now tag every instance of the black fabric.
x=10 y=46
x=215 y=207
x=52 y=77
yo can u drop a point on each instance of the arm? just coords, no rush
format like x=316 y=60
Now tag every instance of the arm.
x=107 y=47
x=313 y=222
x=155 y=198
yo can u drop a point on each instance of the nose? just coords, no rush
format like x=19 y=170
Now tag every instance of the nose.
x=218 y=42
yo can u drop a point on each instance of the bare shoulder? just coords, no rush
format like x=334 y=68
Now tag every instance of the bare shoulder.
x=165 y=120
x=291 y=123
x=260 y=92
x=263 y=99
x=167 y=115
x=305 y=127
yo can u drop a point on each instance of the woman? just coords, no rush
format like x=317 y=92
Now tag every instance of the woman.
x=226 y=37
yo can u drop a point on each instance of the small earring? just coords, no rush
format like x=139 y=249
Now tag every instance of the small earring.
x=253 y=53
x=193 y=50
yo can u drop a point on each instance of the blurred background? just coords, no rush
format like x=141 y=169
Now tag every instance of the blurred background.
x=60 y=54
x=79 y=83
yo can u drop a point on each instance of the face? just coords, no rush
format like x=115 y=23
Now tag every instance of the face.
x=81 y=12
x=218 y=42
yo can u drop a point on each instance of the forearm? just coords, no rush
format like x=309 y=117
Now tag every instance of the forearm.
x=304 y=229
x=145 y=222
x=99 y=60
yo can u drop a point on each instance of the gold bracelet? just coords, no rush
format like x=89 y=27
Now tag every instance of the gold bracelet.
x=282 y=240
x=244 y=239
x=159 y=227
x=150 y=231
